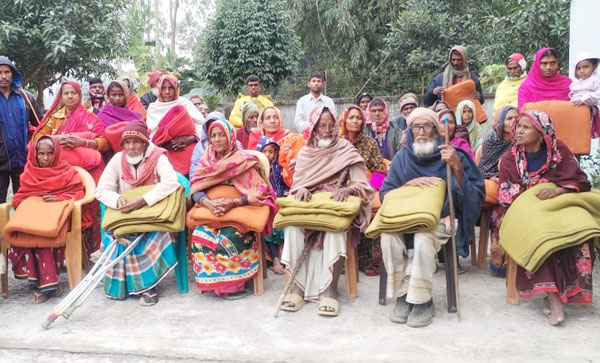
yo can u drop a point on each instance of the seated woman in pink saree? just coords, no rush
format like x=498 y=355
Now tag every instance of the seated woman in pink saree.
x=80 y=135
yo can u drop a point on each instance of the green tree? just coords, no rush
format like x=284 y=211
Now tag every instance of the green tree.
x=49 y=39
x=247 y=37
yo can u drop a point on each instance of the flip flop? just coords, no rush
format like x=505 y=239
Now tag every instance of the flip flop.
x=277 y=271
x=39 y=297
x=295 y=299
x=148 y=299
x=332 y=304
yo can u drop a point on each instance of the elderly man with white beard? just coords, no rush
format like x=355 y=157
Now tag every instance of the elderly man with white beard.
x=410 y=258
x=319 y=166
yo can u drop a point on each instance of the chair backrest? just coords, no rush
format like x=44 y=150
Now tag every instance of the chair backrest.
x=572 y=123
x=264 y=161
x=88 y=184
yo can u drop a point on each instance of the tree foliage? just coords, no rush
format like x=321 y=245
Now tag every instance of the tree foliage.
x=247 y=37
x=49 y=39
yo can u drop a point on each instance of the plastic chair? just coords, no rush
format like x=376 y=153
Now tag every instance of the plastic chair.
x=73 y=245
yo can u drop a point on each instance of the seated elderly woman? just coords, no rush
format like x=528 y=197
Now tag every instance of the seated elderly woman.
x=320 y=168
x=141 y=163
x=250 y=114
x=45 y=175
x=536 y=156
x=495 y=145
x=225 y=258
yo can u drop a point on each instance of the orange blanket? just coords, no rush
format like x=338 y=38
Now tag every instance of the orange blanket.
x=573 y=124
x=294 y=142
x=461 y=91
x=244 y=219
x=26 y=229
x=176 y=122
x=491 y=193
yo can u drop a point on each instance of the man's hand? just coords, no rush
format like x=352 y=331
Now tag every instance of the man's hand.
x=303 y=195
x=476 y=95
x=450 y=156
x=423 y=182
x=341 y=194
x=133 y=205
x=549 y=193
x=438 y=90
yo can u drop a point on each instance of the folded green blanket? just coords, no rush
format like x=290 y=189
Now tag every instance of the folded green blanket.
x=321 y=213
x=168 y=215
x=533 y=229
x=409 y=210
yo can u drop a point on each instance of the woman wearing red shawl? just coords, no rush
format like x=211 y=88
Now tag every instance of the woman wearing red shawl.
x=55 y=180
x=544 y=82
x=387 y=134
x=224 y=259
x=116 y=110
x=270 y=129
x=352 y=125
x=537 y=157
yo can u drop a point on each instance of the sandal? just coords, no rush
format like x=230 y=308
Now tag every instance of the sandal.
x=278 y=270
x=329 y=307
x=39 y=297
x=149 y=298
x=292 y=302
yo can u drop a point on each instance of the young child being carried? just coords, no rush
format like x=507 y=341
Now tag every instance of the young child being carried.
x=585 y=89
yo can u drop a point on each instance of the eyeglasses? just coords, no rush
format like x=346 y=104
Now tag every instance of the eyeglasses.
x=417 y=128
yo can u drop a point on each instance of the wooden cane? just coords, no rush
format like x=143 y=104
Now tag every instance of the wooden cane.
x=452 y=227
x=305 y=252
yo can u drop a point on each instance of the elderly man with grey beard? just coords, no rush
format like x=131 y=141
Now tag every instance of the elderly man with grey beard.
x=410 y=258
x=319 y=166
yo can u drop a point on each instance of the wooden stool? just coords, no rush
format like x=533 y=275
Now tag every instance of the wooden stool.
x=512 y=295
x=484 y=228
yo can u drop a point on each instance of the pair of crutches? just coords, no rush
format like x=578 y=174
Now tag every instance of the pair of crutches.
x=80 y=293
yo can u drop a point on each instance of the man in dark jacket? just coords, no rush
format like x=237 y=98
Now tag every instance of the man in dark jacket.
x=457 y=70
x=18 y=110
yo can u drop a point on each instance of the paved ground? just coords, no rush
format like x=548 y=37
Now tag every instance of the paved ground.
x=196 y=328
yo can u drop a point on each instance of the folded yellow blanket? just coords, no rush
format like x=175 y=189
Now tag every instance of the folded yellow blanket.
x=533 y=229
x=168 y=215
x=321 y=213
x=409 y=210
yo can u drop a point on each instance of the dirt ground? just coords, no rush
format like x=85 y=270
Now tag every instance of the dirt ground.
x=193 y=327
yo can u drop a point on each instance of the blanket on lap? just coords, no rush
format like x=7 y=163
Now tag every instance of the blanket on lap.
x=533 y=229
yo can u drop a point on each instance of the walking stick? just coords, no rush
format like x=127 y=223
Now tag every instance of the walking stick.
x=83 y=289
x=452 y=227
x=305 y=251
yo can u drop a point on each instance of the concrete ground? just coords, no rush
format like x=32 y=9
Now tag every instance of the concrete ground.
x=200 y=328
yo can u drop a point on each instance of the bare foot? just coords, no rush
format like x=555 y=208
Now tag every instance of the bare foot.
x=546 y=308
x=557 y=314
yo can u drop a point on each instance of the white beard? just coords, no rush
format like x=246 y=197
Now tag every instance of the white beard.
x=134 y=160
x=425 y=148
x=324 y=143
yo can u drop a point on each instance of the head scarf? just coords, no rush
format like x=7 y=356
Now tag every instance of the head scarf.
x=260 y=137
x=172 y=80
x=408 y=99
x=448 y=77
x=228 y=130
x=276 y=174
x=124 y=87
x=344 y=131
x=111 y=115
x=474 y=128
x=98 y=100
x=536 y=87
x=59 y=178
x=382 y=128
x=517 y=57
x=586 y=56
x=494 y=146
x=248 y=109
x=154 y=77
x=313 y=119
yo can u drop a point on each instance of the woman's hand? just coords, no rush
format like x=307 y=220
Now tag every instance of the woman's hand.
x=549 y=193
x=303 y=195
x=180 y=142
x=48 y=198
x=133 y=205
x=476 y=95
x=341 y=194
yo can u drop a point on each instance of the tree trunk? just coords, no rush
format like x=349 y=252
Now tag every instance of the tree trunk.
x=39 y=84
x=157 y=46
x=174 y=6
